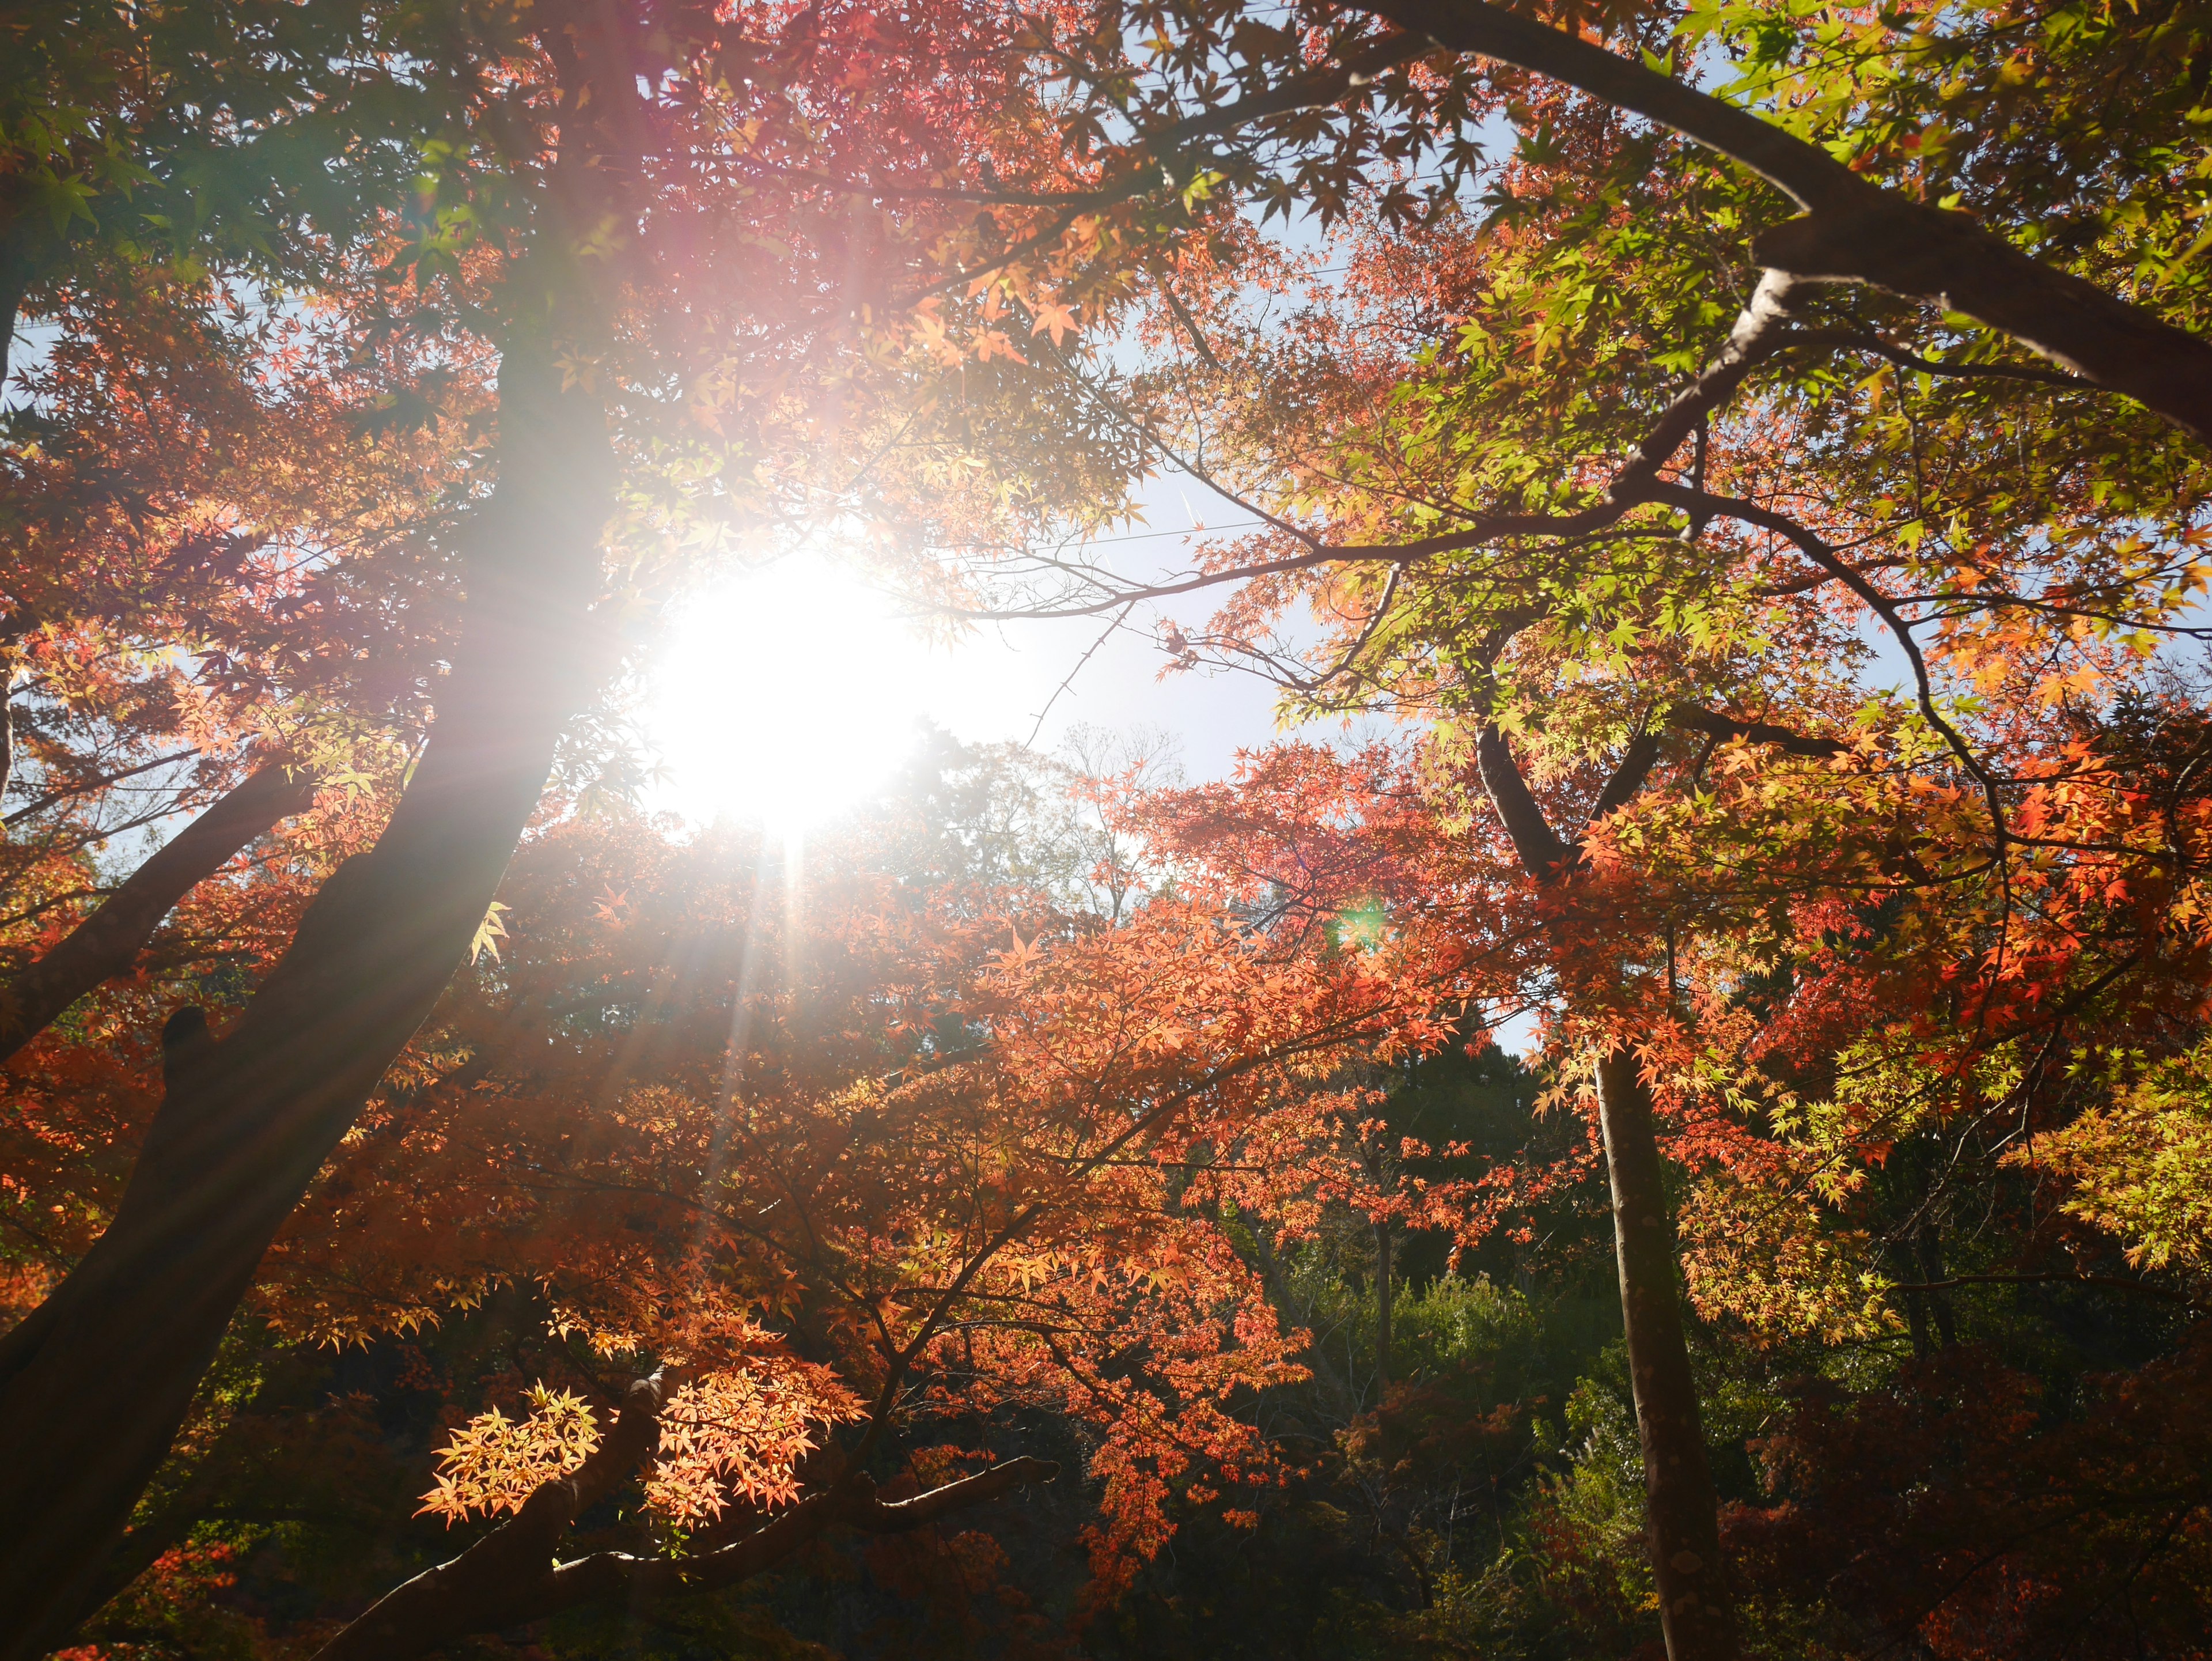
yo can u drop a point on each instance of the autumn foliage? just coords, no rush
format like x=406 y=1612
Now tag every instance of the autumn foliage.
x=1743 y=463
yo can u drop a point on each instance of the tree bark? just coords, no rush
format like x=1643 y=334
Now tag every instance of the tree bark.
x=1678 y=1483
x=1854 y=231
x=28 y=246
x=95 y=1382
x=107 y=943
x=1683 y=1526
x=1382 y=1314
x=1929 y=1247
x=7 y=657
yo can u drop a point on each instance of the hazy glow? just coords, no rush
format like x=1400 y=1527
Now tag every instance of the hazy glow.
x=788 y=696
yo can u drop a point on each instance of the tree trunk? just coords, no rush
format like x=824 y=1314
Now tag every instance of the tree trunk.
x=1382 y=1313
x=1678 y=1484
x=1929 y=1247
x=107 y=943
x=28 y=245
x=95 y=1382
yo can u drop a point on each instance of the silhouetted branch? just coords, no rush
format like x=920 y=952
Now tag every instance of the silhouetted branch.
x=510 y=1577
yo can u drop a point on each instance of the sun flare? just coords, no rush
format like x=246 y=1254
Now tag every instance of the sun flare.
x=787 y=695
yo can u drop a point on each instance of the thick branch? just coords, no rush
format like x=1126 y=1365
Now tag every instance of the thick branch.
x=1854 y=231
x=1725 y=727
x=1926 y=253
x=1542 y=851
x=108 y=942
x=478 y=1590
x=1544 y=854
x=1636 y=764
x=1808 y=174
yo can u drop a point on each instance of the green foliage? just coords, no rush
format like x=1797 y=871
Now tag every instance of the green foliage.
x=2142 y=1165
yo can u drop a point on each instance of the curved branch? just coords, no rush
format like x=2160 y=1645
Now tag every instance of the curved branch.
x=1760 y=333
x=1878 y=347
x=1854 y=231
x=1817 y=550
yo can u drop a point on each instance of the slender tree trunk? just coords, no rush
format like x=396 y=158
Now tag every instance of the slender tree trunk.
x=1916 y=1303
x=1382 y=1313
x=107 y=943
x=94 y=1383
x=7 y=661
x=1929 y=1247
x=1678 y=1484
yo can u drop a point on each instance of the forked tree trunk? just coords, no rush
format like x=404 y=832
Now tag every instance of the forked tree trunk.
x=94 y=1383
x=1677 y=1482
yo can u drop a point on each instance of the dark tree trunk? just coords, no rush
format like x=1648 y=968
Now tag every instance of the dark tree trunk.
x=1382 y=1313
x=1928 y=1246
x=107 y=943
x=28 y=246
x=95 y=1382
x=1678 y=1484
x=1901 y=1257
x=7 y=716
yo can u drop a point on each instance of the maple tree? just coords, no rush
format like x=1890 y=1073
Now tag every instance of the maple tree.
x=1534 y=485
x=518 y=249
x=907 y=1139
x=1552 y=471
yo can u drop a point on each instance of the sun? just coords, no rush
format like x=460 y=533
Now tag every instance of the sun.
x=787 y=695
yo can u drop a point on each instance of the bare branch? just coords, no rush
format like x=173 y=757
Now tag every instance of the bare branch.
x=2109 y=1282
x=51 y=797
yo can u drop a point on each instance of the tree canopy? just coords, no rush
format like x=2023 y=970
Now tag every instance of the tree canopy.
x=1743 y=463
